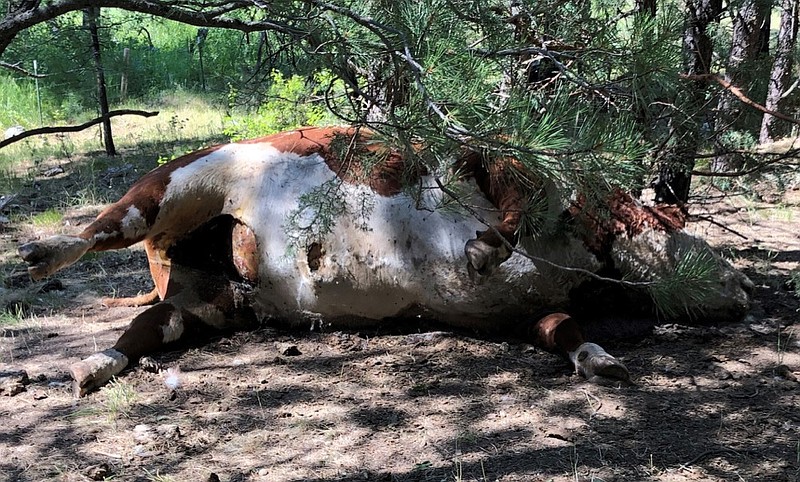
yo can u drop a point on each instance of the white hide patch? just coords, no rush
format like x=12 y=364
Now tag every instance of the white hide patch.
x=382 y=255
x=133 y=225
x=174 y=328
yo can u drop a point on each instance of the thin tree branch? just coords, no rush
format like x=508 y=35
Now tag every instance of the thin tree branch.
x=77 y=128
x=791 y=154
x=736 y=91
x=180 y=11
x=17 y=68
x=709 y=219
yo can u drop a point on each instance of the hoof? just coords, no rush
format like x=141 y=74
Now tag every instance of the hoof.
x=482 y=258
x=95 y=371
x=49 y=255
x=597 y=366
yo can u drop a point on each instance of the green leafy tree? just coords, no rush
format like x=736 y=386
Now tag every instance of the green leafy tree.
x=587 y=96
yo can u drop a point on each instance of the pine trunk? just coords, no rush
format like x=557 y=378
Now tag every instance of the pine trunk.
x=746 y=46
x=91 y=15
x=674 y=171
x=781 y=68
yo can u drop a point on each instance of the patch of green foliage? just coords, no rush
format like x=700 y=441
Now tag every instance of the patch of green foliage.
x=794 y=282
x=48 y=218
x=18 y=105
x=694 y=276
x=119 y=397
x=291 y=102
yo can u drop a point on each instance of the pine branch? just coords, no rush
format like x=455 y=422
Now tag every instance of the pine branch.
x=791 y=154
x=591 y=274
x=736 y=91
x=76 y=128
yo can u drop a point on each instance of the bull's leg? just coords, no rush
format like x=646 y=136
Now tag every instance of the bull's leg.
x=559 y=333
x=194 y=300
x=132 y=301
x=120 y=225
x=499 y=181
x=147 y=333
x=49 y=255
x=159 y=265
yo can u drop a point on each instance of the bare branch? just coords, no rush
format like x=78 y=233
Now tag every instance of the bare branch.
x=791 y=154
x=77 y=128
x=17 y=68
x=38 y=12
x=736 y=91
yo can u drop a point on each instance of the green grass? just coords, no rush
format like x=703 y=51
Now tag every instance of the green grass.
x=18 y=105
x=8 y=319
x=157 y=477
x=119 y=397
x=47 y=219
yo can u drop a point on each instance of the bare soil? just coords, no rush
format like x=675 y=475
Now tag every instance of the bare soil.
x=709 y=403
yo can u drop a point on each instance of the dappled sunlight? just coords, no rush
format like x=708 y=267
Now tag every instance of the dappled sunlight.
x=393 y=403
x=343 y=409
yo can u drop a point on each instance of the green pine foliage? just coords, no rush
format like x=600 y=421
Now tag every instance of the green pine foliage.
x=695 y=273
x=584 y=94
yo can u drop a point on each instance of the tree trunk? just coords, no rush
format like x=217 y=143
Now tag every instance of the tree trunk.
x=199 y=42
x=674 y=170
x=781 y=68
x=646 y=6
x=123 y=81
x=746 y=46
x=91 y=16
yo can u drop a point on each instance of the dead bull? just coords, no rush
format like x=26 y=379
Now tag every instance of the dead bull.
x=294 y=227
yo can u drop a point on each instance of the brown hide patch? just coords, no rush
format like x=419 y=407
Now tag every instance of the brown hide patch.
x=145 y=334
x=314 y=256
x=145 y=195
x=556 y=332
x=499 y=179
x=244 y=252
x=160 y=266
x=352 y=154
x=623 y=216
x=195 y=207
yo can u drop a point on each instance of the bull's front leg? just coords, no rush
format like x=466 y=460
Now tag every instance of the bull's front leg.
x=147 y=333
x=195 y=301
x=559 y=333
x=49 y=255
x=120 y=225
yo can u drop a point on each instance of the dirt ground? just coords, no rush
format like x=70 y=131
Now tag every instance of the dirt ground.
x=709 y=403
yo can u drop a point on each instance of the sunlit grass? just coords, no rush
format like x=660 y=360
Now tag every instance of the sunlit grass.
x=47 y=219
x=119 y=397
x=184 y=118
x=11 y=319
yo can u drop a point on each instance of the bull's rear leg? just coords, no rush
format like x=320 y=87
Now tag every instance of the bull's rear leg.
x=159 y=264
x=559 y=333
x=140 y=300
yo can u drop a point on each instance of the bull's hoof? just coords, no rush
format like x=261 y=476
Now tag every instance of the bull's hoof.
x=597 y=366
x=482 y=258
x=95 y=371
x=47 y=256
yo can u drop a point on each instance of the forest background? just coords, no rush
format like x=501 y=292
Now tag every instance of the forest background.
x=591 y=95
